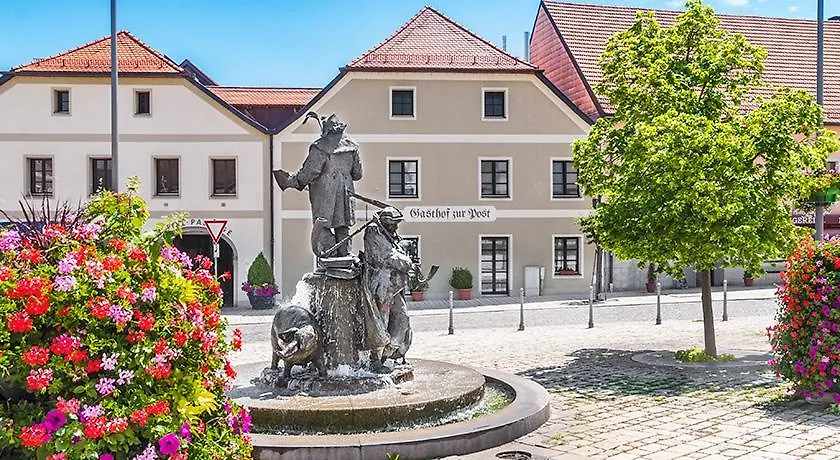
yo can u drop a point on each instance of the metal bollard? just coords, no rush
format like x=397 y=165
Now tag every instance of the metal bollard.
x=591 y=294
x=658 y=303
x=451 y=308
x=725 y=286
x=521 y=309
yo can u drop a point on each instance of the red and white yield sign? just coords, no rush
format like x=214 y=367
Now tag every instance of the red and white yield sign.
x=215 y=227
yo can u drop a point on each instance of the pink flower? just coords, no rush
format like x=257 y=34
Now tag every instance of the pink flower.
x=54 y=420
x=105 y=386
x=169 y=444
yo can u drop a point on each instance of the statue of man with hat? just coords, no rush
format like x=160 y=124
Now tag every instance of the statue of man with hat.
x=384 y=279
x=329 y=170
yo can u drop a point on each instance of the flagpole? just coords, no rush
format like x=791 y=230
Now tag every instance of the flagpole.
x=819 y=213
x=115 y=177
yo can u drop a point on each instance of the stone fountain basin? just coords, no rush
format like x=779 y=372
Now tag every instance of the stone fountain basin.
x=529 y=409
x=436 y=389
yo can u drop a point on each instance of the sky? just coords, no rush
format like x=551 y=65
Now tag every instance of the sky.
x=288 y=43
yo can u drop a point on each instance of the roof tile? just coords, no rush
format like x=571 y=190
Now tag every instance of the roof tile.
x=791 y=45
x=264 y=97
x=133 y=56
x=431 y=41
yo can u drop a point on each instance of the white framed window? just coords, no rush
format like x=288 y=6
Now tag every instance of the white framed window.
x=495 y=176
x=40 y=176
x=403 y=178
x=403 y=102
x=494 y=104
x=61 y=101
x=143 y=102
x=495 y=259
x=223 y=172
x=567 y=260
x=564 y=180
x=167 y=176
x=100 y=174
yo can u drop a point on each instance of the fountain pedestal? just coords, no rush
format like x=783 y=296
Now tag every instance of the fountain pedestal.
x=336 y=304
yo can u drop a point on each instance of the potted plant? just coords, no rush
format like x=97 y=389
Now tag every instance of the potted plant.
x=651 y=278
x=260 y=286
x=417 y=286
x=748 y=279
x=462 y=280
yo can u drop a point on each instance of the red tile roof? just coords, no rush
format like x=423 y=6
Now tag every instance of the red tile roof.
x=791 y=45
x=264 y=97
x=133 y=56
x=431 y=41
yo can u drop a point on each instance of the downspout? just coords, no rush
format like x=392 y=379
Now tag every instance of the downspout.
x=271 y=199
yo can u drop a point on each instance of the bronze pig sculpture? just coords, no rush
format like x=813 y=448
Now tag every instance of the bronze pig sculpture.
x=296 y=339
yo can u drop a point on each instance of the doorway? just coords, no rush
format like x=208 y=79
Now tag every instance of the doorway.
x=194 y=245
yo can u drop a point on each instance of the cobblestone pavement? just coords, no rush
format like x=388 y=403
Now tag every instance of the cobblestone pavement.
x=605 y=405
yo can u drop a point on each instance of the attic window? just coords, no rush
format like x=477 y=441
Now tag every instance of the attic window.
x=143 y=103
x=61 y=101
x=495 y=103
x=403 y=103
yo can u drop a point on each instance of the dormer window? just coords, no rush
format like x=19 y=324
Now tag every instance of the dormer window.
x=61 y=101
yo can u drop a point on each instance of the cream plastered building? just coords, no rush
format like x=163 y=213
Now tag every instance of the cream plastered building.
x=473 y=144
x=192 y=151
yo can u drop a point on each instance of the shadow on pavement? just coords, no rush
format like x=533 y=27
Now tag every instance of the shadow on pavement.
x=601 y=374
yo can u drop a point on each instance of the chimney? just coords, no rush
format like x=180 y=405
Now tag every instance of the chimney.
x=504 y=42
x=527 y=46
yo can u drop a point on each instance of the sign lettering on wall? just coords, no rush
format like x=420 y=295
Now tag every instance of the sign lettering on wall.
x=197 y=222
x=449 y=214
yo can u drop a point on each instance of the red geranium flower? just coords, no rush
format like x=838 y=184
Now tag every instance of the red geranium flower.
x=137 y=254
x=19 y=322
x=93 y=366
x=112 y=263
x=34 y=436
x=36 y=356
x=37 y=304
x=38 y=379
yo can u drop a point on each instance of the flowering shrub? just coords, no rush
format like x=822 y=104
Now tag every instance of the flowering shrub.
x=111 y=341
x=805 y=340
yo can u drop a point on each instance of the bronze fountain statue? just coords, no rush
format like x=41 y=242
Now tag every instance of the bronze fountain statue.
x=354 y=303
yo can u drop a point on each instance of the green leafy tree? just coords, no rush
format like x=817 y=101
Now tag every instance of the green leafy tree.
x=693 y=170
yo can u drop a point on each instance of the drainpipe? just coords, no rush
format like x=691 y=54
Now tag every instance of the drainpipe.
x=271 y=199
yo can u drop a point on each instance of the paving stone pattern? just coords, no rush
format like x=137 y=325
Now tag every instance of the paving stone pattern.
x=605 y=405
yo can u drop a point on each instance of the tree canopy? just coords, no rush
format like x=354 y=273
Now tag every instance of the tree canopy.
x=695 y=168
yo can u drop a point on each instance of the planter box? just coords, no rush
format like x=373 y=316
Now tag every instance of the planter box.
x=465 y=294
x=259 y=302
x=417 y=296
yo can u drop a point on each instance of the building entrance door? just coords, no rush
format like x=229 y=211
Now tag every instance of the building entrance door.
x=494 y=264
x=194 y=245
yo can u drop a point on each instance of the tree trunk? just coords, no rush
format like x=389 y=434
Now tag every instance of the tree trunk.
x=708 y=313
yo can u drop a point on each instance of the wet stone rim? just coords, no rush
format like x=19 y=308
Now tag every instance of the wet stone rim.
x=438 y=389
x=529 y=409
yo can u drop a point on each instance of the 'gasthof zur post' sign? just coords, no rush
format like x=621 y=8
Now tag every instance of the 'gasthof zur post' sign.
x=449 y=214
